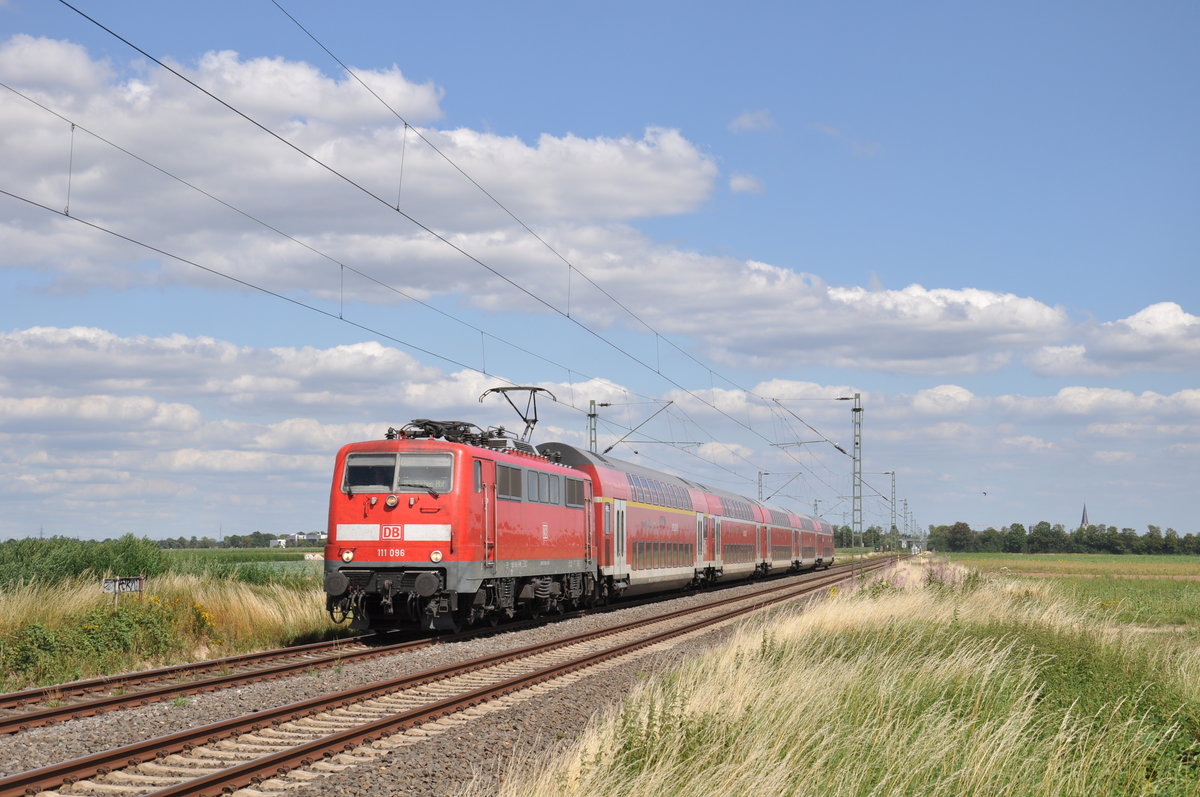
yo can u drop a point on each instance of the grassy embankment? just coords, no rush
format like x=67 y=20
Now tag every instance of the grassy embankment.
x=930 y=680
x=57 y=625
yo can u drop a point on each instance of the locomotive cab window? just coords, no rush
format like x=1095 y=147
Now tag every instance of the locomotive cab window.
x=402 y=473
x=369 y=473
x=419 y=472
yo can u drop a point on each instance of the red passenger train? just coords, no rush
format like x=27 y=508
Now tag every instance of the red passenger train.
x=442 y=525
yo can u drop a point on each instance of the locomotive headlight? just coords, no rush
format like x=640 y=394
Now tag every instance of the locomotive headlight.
x=391 y=501
x=435 y=556
x=347 y=555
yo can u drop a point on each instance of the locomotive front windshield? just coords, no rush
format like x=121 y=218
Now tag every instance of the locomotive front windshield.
x=398 y=473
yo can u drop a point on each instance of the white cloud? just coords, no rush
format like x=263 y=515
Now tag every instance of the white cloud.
x=745 y=184
x=1162 y=336
x=753 y=121
x=1028 y=443
x=167 y=447
x=943 y=400
x=579 y=193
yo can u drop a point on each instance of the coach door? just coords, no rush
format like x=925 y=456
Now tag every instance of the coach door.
x=589 y=519
x=718 y=554
x=700 y=552
x=619 y=559
x=483 y=501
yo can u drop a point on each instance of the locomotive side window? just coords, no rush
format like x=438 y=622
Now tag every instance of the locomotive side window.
x=508 y=482
x=554 y=491
x=369 y=473
x=574 y=492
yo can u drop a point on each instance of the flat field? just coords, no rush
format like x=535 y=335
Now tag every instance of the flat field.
x=1081 y=564
x=1157 y=592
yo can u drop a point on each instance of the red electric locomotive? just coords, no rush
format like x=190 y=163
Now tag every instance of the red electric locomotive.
x=442 y=524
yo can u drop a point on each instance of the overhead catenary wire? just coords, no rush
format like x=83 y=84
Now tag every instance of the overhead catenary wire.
x=342 y=266
x=571 y=267
x=312 y=158
x=629 y=355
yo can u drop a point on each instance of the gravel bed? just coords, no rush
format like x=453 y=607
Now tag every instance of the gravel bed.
x=423 y=769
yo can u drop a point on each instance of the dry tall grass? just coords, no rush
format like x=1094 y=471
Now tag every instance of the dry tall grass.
x=908 y=686
x=242 y=616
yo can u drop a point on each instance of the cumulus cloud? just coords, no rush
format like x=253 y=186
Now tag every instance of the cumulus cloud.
x=199 y=433
x=1162 y=336
x=581 y=193
x=169 y=124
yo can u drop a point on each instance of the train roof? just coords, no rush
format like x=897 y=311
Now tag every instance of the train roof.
x=576 y=457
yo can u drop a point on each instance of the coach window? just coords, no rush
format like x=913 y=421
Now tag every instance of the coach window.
x=607 y=520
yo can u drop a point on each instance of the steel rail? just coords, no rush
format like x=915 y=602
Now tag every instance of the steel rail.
x=39 y=694
x=254 y=772
x=24 y=720
x=55 y=775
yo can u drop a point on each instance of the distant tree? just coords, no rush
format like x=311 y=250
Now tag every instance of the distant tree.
x=1044 y=538
x=1112 y=540
x=1014 y=539
x=1171 y=542
x=1152 y=541
x=960 y=537
x=939 y=538
x=1130 y=541
x=989 y=541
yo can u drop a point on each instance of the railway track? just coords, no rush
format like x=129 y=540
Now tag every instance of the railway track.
x=245 y=750
x=31 y=708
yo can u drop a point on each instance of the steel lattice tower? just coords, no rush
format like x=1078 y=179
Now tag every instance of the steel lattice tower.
x=856 y=515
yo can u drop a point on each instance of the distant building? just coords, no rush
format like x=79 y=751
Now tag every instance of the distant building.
x=279 y=543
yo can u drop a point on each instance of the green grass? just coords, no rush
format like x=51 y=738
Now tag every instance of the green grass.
x=1139 y=601
x=262 y=566
x=1080 y=564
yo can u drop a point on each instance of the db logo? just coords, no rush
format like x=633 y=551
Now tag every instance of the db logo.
x=391 y=532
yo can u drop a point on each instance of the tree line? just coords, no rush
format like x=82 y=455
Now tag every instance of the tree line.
x=255 y=539
x=1046 y=538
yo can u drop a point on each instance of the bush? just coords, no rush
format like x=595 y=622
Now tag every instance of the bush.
x=102 y=639
x=60 y=558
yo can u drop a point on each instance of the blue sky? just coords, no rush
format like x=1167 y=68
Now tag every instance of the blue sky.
x=981 y=218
